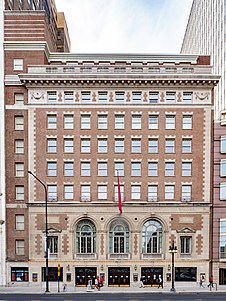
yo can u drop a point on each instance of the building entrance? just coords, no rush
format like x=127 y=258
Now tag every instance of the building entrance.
x=222 y=279
x=151 y=276
x=118 y=276
x=84 y=274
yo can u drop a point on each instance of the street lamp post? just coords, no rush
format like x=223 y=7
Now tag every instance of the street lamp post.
x=46 y=232
x=173 y=250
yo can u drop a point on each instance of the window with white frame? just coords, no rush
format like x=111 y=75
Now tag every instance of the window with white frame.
x=51 y=145
x=119 y=97
x=136 y=169
x=68 y=169
x=186 y=169
x=19 y=170
x=85 y=237
x=53 y=245
x=52 y=96
x=152 y=237
x=121 y=192
x=19 y=192
x=19 y=123
x=152 y=169
x=86 y=96
x=102 y=121
x=186 y=192
x=85 y=193
x=153 y=145
x=136 y=97
x=222 y=238
x=68 y=121
x=85 y=145
x=170 y=122
x=152 y=193
x=102 y=169
x=102 y=96
x=169 y=192
x=119 y=169
x=153 y=122
x=223 y=167
x=135 y=192
x=69 y=96
x=187 y=122
x=119 y=121
x=102 y=192
x=136 y=122
x=19 y=247
x=153 y=97
x=119 y=145
x=136 y=145
x=18 y=64
x=169 y=146
x=102 y=145
x=68 y=192
x=119 y=238
x=85 y=121
x=169 y=169
x=185 y=245
x=222 y=191
x=19 y=146
x=187 y=97
x=52 y=169
x=85 y=169
x=170 y=97
x=20 y=222
x=186 y=145
x=68 y=145
x=52 y=192
x=51 y=121
x=19 y=98
x=223 y=144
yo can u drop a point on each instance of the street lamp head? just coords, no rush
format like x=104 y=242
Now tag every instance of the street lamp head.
x=29 y=172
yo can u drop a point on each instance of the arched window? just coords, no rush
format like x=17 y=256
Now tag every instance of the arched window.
x=86 y=237
x=119 y=237
x=152 y=237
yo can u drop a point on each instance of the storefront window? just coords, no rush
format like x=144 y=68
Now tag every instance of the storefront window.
x=19 y=274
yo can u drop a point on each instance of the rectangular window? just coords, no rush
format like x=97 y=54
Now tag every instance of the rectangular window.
x=68 y=121
x=169 y=169
x=102 y=97
x=136 y=122
x=85 y=193
x=152 y=169
x=223 y=167
x=18 y=64
x=85 y=122
x=119 y=145
x=170 y=122
x=102 y=146
x=136 y=97
x=85 y=145
x=69 y=96
x=102 y=192
x=51 y=145
x=52 y=121
x=152 y=193
x=223 y=144
x=102 y=122
x=135 y=192
x=186 y=169
x=19 y=170
x=222 y=191
x=20 y=222
x=19 y=98
x=19 y=146
x=52 y=96
x=153 y=146
x=119 y=97
x=19 y=123
x=102 y=169
x=169 y=192
x=119 y=169
x=170 y=146
x=68 y=169
x=136 y=169
x=170 y=97
x=186 y=193
x=68 y=192
x=20 y=247
x=136 y=146
x=222 y=238
x=85 y=169
x=52 y=193
x=153 y=122
x=185 y=245
x=187 y=122
x=51 y=169
x=187 y=97
x=68 y=145
x=116 y=192
x=119 y=122
x=153 y=97
x=53 y=245
x=86 y=96
x=20 y=193
x=186 y=146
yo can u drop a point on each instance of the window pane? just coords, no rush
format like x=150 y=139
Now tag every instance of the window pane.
x=102 y=146
x=102 y=122
x=69 y=169
x=153 y=146
x=102 y=169
x=135 y=192
x=20 y=193
x=19 y=123
x=153 y=122
x=19 y=146
x=170 y=146
x=119 y=122
x=187 y=122
x=119 y=145
x=69 y=121
x=136 y=146
x=186 y=169
x=223 y=144
x=222 y=191
x=153 y=169
x=85 y=169
x=136 y=169
x=186 y=146
x=223 y=168
x=153 y=97
x=20 y=222
x=136 y=122
x=170 y=122
x=85 y=145
x=85 y=122
x=52 y=169
x=169 y=169
x=51 y=121
x=68 y=192
x=152 y=193
x=169 y=192
x=102 y=192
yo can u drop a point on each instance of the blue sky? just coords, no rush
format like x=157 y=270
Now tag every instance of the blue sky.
x=126 y=26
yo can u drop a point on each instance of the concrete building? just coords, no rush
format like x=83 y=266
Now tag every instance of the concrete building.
x=205 y=34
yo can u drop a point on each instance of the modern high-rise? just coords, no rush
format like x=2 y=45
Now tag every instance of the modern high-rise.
x=206 y=34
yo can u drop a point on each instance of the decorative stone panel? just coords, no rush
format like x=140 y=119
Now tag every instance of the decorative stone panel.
x=199 y=244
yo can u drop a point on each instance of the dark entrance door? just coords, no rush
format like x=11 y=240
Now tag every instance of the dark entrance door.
x=150 y=276
x=83 y=275
x=118 y=276
x=222 y=277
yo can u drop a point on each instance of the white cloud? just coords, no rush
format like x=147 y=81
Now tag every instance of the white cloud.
x=132 y=26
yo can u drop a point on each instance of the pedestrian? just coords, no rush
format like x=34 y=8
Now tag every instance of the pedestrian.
x=97 y=283
x=200 y=282
x=141 y=285
x=101 y=281
x=160 y=282
x=210 y=281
